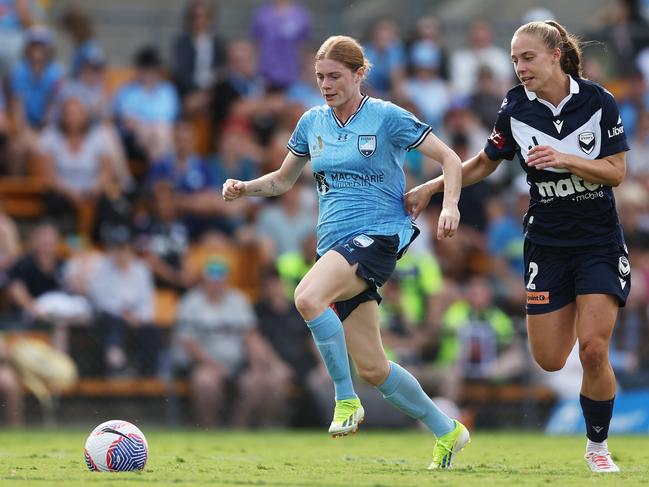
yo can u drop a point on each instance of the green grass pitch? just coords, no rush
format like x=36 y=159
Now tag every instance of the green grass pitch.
x=371 y=458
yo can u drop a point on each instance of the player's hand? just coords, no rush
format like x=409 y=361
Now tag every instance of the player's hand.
x=544 y=156
x=449 y=219
x=416 y=200
x=232 y=189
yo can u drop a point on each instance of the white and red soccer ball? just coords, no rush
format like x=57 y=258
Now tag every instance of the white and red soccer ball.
x=116 y=446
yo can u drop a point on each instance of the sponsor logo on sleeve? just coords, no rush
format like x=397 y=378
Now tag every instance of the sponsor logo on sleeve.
x=497 y=139
x=617 y=130
x=538 y=297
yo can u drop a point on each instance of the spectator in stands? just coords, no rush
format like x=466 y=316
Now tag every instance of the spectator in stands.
x=36 y=287
x=283 y=327
x=420 y=284
x=238 y=155
x=15 y=17
x=403 y=339
x=7 y=165
x=385 y=51
x=481 y=51
x=35 y=80
x=478 y=340
x=146 y=108
x=197 y=55
x=424 y=88
x=90 y=89
x=285 y=224
x=240 y=94
x=624 y=31
x=11 y=393
x=293 y=266
x=304 y=90
x=9 y=245
x=163 y=240
x=280 y=28
x=76 y=22
x=427 y=30
x=197 y=203
x=460 y=120
x=76 y=161
x=218 y=345
x=630 y=341
x=486 y=98
x=240 y=80
x=504 y=244
x=123 y=298
x=639 y=149
x=634 y=102
x=37 y=272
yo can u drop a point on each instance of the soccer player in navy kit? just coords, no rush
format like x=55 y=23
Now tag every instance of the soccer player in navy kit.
x=570 y=140
x=356 y=145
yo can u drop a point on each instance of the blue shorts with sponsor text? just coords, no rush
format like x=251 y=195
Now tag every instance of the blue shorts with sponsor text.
x=554 y=276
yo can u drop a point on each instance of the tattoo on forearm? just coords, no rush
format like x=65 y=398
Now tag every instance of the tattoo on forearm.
x=273 y=187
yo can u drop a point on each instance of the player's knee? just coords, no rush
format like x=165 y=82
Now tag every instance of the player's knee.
x=550 y=363
x=593 y=353
x=308 y=304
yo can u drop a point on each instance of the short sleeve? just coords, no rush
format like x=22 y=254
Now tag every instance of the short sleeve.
x=613 y=137
x=501 y=143
x=406 y=130
x=298 y=144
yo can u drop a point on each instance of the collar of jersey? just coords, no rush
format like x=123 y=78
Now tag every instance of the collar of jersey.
x=574 y=89
x=349 y=120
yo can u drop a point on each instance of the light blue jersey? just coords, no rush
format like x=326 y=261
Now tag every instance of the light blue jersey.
x=358 y=167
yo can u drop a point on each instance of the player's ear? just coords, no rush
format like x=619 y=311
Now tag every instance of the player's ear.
x=556 y=54
x=360 y=73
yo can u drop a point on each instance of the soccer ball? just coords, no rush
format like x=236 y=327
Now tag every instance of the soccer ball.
x=116 y=446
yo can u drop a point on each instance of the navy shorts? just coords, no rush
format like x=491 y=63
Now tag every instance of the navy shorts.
x=554 y=276
x=376 y=256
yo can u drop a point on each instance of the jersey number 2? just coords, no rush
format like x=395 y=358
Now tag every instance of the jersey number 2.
x=534 y=270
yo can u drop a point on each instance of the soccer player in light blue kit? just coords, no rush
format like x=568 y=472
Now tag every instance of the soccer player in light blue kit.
x=357 y=145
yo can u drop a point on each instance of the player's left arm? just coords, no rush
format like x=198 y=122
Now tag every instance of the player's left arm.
x=437 y=150
x=609 y=170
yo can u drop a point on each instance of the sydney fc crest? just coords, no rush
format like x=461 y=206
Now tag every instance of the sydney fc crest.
x=367 y=144
x=587 y=142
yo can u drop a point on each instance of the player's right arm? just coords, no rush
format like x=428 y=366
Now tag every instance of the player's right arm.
x=271 y=184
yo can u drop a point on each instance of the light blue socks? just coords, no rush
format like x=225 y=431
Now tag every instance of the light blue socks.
x=329 y=336
x=404 y=392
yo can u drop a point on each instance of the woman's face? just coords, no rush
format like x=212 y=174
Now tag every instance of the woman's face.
x=75 y=115
x=337 y=82
x=533 y=62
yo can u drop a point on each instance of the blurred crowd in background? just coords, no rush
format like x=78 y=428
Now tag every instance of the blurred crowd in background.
x=115 y=241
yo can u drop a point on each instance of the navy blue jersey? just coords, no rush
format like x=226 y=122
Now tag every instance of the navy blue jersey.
x=565 y=210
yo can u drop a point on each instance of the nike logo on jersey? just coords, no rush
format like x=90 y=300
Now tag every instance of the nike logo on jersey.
x=557 y=125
